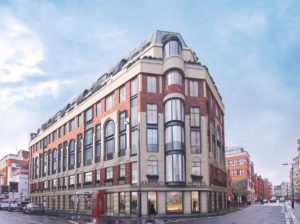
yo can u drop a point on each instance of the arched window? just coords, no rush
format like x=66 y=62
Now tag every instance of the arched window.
x=71 y=154
x=54 y=161
x=173 y=77
x=109 y=140
x=172 y=47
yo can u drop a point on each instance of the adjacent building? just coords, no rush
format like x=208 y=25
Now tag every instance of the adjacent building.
x=14 y=176
x=149 y=132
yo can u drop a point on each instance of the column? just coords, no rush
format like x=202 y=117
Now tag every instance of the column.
x=204 y=202
x=161 y=199
x=187 y=202
x=144 y=203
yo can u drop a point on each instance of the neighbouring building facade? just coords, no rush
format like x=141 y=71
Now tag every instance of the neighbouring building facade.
x=149 y=132
x=14 y=174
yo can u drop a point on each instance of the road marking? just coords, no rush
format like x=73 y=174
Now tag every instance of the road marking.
x=73 y=222
x=35 y=222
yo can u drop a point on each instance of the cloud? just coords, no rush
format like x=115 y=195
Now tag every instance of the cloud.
x=21 y=50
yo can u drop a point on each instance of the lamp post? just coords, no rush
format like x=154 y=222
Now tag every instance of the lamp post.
x=285 y=164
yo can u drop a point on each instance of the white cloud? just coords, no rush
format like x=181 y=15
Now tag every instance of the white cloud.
x=21 y=50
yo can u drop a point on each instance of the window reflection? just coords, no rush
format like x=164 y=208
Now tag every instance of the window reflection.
x=174 y=201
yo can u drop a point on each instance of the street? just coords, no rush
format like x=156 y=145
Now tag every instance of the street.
x=257 y=214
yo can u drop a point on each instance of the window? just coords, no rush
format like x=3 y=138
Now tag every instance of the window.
x=174 y=138
x=88 y=177
x=152 y=200
x=54 y=135
x=195 y=117
x=194 y=88
x=122 y=202
x=174 y=78
x=175 y=168
x=109 y=102
x=134 y=142
x=98 y=109
x=122 y=121
x=109 y=203
x=72 y=154
x=71 y=125
x=54 y=164
x=134 y=173
x=152 y=140
x=174 y=201
x=79 y=179
x=109 y=173
x=109 y=140
x=88 y=115
x=98 y=143
x=88 y=156
x=71 y=201
x=195 y=142
x=122 y=93
x=59 y=158
x=79 y=120
x=122 y=134
x=88 y=137
x=196 y=168
x=152 y=167
x=79 y=148
x=65 y=156
x=174 y=110
x=71 y=180
x=134 y=202
x=97 y=176
x=195 y=201
x=151 y=84
x=65 y=129
x=134 y=112
x=151 y=114
x=122 y=170
x=122 y=145
x=172 y=47
x=133 y=87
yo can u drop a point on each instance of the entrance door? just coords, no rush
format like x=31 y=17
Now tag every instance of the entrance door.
x=98 y=203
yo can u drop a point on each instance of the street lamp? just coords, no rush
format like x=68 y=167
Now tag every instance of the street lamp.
x=285 y=164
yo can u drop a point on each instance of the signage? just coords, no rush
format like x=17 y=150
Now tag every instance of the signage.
x=162 y=184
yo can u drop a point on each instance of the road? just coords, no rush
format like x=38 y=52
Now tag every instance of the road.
x=267 y=214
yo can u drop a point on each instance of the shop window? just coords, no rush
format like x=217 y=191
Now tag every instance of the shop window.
x=174 y=202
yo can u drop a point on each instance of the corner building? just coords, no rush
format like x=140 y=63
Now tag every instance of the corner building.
x=149 y=132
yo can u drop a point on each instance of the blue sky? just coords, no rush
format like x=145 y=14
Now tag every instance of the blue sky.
x=50 y=51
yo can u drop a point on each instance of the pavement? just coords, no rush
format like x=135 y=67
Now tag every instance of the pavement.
x=257 y=214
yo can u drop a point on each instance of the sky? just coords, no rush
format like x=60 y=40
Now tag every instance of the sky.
x=50 y=51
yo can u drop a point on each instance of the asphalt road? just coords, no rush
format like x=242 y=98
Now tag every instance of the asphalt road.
x=251 y=215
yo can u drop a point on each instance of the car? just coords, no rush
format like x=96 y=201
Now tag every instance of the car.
x=281 y=199
x=14 y=207
x=273 y=200
x=265 y=201
x=34 y=208
x=4 y=206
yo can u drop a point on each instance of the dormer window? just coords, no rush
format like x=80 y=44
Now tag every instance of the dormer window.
x=172 y=47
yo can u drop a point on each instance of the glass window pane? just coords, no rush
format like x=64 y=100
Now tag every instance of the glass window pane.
x=152 y=201
x=122 y=94
x=134 y=142
x=134 y=112
x=134 y=173
x=174 y=201
x=195 y=201
x=133 y=87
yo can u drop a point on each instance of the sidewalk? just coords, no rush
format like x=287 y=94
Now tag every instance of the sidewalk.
x=292 y=215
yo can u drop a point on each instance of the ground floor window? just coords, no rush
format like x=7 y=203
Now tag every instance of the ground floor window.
x=174 y=201
x=152 y=202
x=195 y=201
x=109 y=203
x=134 y=202
x=71 y=201
x=122 y=202
x=88 y=202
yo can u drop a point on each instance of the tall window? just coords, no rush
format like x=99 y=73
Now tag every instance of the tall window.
x=174 y=201
x=152 y=140
x=134 y=112
x=174 y=138
x=109 y=102
x=45 y=163
x=98 y=108
x=195 y=116
x=174 y=110
x=122 y=93
x=71 y=181
x=54 y=162
x=98 y=143
x=79 y=120
x=195 y=201
x=175 y=168
x=88 y=147
x=152 y=167
x=174 y=78
x=109 y=173
x=54 y=135
x=122 y=134
x=79 y=148
x=109 y=140
x=151 y=84
x=122 y=170
x=151 y=113
x=71 y=125
x=65 y=145
x=196 y=168
x=134 y=141
x=71 y=154
x=122 y=204
x=195 y=142
x=88 y=178
x=59 y=158
x=88 y=115
x=134 y=173
x=133 y=87
x=172 y=47
x=194 y=88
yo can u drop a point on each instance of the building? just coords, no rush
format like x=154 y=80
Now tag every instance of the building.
x=239 y=164
x=282 y=190
x=294 y=177
x=268 y=189
x=105 y=152
x=14 y=169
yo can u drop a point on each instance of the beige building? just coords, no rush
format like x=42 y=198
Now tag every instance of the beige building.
x=148 y=133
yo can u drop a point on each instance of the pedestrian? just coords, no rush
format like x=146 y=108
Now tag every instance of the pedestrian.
x=152 y=210
x=194 y=205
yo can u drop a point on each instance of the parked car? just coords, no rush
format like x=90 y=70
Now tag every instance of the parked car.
x=281 y=199
x=273 y=200
x=265 y=201
x=4 y=206
x=34 y=208
x=14 y=207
